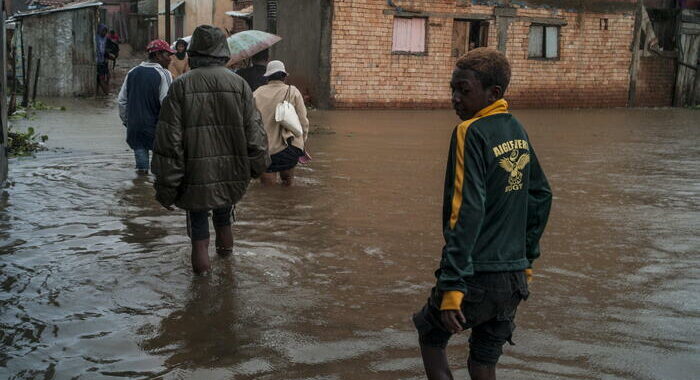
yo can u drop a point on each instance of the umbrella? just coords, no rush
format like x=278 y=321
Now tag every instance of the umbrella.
x=248 y=43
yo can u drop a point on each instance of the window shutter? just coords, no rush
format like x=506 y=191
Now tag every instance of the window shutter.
x=402 y=32
x=552 y=42
x=535 y=43
x=417 y=42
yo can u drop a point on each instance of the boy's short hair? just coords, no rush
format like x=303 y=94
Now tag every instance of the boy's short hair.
x=490 y=66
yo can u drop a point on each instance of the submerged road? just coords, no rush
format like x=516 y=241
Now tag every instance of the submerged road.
x=96 y=280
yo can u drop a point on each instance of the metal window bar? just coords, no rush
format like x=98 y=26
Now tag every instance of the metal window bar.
x=272 y=16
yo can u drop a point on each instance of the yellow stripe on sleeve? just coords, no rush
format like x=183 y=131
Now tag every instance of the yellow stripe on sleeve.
x=459 y=171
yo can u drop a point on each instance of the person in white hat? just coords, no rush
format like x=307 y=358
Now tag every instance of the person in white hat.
x=284 y=148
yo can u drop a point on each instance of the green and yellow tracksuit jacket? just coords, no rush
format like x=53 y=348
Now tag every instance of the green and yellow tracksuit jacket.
x=496 y=203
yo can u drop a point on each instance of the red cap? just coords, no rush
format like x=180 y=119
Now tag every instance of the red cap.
x=159 y=45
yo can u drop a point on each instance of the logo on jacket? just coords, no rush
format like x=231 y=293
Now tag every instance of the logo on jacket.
x=514 y=165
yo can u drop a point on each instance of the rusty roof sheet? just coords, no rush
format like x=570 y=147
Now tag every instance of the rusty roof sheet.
x=62 y=6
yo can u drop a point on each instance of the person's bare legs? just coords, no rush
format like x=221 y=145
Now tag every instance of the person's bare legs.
x=287 y=177
x=481 y=372
x=200 y=256
x=268 y=179
x=435 y=363
x=104 y=85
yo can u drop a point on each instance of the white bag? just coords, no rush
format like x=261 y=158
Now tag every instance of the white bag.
x=286 y=115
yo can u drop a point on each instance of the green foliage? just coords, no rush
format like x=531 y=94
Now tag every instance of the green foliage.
x=30 y=111
x=39 y=106
x=25 y=143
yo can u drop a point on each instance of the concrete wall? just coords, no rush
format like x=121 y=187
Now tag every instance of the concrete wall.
x=197 y=12
x=65 y=42
x=365 y=73
x=304 y=26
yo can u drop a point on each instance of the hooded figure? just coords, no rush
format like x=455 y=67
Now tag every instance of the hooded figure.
x=180 y=62
x=209 y=143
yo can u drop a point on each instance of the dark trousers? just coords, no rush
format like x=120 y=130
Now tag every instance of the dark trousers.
x=489 y=309
x=198 y=221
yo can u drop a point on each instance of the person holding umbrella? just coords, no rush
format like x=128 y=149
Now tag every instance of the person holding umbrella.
x=255 y=74
x=209 y=143
x=284 y=147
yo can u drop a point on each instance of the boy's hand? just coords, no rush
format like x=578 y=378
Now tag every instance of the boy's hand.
x=528 y=275
x=451 y=320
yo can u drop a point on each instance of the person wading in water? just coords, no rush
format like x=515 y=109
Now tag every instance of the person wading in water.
x=209 y=143
x=496 y=205
x=140 y=98
x=285 y=149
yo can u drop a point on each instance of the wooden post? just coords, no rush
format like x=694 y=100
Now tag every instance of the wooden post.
x=634 y=66
x=27 y=79
x=3 y=99
x=24 y=57
x=36 y=79
x=3 y=78
x=167 y=21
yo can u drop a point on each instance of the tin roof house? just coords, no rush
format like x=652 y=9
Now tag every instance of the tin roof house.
x=63 y=39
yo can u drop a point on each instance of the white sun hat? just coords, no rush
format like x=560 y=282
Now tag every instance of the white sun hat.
x=274 y=67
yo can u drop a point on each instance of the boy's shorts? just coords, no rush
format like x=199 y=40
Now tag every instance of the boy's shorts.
x=489 y=309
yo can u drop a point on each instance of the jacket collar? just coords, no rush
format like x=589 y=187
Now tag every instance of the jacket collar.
x=499 y=106
x=276 y=83
x=150 y=64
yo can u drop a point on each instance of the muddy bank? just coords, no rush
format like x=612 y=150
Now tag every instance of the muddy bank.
x=96 y=280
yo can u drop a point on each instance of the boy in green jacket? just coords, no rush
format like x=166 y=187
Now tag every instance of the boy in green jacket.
x=496 y=205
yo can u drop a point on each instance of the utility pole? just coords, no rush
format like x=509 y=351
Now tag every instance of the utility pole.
x=168 y=36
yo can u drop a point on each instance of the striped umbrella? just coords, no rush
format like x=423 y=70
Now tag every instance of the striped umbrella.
x=248 y=43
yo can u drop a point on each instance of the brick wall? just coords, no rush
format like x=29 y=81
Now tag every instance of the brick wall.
x=656 y=82
x=591 y=59
x=364 y=72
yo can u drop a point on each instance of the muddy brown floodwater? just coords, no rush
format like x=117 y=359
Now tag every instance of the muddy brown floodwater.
x=96 y=282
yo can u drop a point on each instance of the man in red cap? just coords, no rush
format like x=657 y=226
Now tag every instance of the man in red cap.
x=140 y=98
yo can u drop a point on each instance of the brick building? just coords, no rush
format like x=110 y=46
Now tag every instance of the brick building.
x=400 y=53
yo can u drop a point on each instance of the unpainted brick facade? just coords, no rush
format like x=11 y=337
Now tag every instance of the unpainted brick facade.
x=593 y=68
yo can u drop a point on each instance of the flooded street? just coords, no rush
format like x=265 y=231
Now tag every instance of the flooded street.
x=96 y=280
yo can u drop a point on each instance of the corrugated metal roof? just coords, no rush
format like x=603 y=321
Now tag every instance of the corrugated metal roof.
x=66 y=7
x=51 y=3
x=246 y=12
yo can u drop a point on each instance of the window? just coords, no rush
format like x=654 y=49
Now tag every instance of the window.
x=544 y=42
x=468 y=35
x=409 y=35
x=603 y=24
